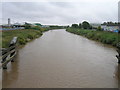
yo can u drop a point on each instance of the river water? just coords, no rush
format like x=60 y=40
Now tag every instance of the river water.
x=60 y=59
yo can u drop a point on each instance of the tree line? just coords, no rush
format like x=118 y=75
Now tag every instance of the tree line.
x=86 y=25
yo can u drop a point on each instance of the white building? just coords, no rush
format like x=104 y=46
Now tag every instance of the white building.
x=112 y=28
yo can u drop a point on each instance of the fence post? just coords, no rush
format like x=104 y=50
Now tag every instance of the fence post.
x=9 y=53
x=5 y=66
x=118 y=50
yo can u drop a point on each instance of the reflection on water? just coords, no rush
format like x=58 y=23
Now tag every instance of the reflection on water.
x=11 y=74
x=63 y=60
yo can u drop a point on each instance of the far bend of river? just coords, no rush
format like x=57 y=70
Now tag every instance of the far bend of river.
x=60 y=59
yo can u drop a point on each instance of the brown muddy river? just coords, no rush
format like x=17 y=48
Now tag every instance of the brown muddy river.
x=60 y=59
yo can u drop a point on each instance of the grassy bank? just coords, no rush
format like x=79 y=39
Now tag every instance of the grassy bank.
x=101 y=36
x=24 y=36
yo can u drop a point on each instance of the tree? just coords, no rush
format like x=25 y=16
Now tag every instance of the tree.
x=27 y=25
x=104 y=23
x=67 y=26
x=74 y=25
x=85 y=25
x=91 y=27
x=99 y=28
x=80 y=25
x=36 y=28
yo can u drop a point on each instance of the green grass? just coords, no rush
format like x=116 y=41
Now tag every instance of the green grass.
x=23 y=36
x=101 y=36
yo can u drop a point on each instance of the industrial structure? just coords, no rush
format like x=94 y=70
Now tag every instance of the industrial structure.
x=9 y=22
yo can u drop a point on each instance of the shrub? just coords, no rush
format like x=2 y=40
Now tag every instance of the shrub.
x=21 y=41
x=101 y=36
x=30 y=36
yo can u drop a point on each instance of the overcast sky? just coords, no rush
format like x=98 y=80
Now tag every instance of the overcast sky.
x=61 y=13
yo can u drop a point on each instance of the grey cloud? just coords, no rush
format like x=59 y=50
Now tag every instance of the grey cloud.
x=60 y=12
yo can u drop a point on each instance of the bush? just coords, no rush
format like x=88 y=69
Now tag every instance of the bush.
x=101 y=36
x=22 y=35
x=21 y=41
x=30 y=36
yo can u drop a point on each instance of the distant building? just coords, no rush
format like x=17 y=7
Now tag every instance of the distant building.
x=110 y=27
x=45 y=26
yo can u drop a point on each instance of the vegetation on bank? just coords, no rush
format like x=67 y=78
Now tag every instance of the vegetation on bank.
x=101 y=36
x=30 y=32
x=42 y=27
x=23 y=36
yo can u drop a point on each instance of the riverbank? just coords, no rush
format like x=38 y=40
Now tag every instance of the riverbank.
x=24 y=36
x=101 y=36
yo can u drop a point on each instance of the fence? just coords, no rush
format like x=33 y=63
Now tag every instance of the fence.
x=118 y=50
x=8 y=54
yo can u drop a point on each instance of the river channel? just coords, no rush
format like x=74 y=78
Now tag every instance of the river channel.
x=60 y=59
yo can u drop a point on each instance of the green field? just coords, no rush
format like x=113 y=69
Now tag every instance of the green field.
x=101 y=36
x=23 y=36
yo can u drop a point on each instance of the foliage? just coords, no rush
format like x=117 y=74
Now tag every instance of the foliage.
x=85 y=25
x=27 y=26
x=99 y=28
x=36 y=27
x=22 y=35
x=56 y=27
x=104 y=37
x=21 y=40
x=74 y=26
x=111 y=23
x=80 y=25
